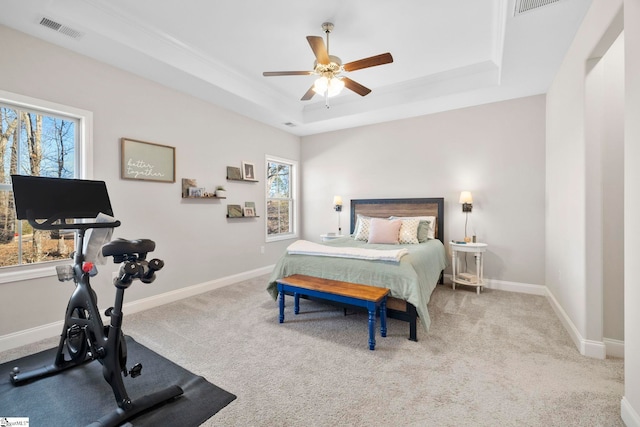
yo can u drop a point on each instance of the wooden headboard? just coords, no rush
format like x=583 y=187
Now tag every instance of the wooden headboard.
x=384 y=208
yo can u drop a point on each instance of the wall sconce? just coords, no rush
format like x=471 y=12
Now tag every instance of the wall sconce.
x=467 y=201
x=467 y=205
x=337 y=206
x=337 y=203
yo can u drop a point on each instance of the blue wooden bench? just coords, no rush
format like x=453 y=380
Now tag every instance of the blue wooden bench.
x=370 y=297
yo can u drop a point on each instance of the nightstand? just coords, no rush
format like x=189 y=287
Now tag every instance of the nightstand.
x=466 y=278
x=327 y=237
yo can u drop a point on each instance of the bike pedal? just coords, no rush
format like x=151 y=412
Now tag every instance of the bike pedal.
x=136 y=370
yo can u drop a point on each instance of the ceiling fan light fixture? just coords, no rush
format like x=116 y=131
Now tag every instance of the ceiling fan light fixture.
x=335 y=86
x=329 y=86
x=329 y=67
x=320 y=86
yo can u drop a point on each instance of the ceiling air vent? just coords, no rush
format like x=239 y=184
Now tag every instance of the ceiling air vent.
x=523 y=6
x=62 y=29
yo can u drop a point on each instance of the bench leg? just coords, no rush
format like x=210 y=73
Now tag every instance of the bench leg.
x=372 y=328
x=413 y=316
x=383 y=317
x=281 y=299
x=296 y=303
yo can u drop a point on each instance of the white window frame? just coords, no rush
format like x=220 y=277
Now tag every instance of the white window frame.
x=84 y=170
x=295 y=197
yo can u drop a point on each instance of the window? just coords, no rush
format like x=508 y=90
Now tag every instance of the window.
x=37 y=138
x=281 y=199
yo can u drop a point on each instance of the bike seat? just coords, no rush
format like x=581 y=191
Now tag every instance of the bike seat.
x=119 y=247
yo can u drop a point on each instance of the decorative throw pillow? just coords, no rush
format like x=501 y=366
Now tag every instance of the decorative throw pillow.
x=384 y=231
x=409 y=231
x=423 y=231
x=431 y=234
x=362 y=228
x=432 y=226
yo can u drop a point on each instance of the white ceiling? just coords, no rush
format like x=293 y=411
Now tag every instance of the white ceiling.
x=447 y=53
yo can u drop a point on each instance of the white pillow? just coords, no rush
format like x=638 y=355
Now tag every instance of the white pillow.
x=432 y=223
x=362 y=228
x=384 y=231
x=409 y=231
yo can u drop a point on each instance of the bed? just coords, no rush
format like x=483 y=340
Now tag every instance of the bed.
x=411 y=281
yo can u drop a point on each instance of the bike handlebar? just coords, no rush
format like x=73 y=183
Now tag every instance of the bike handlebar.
x=143 y=270
x=150 y=275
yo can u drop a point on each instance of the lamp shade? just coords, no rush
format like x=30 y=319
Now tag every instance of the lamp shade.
x=335 y=86
x=465 y=197
x=320 y=86
x=331 y=86
x=337 y=201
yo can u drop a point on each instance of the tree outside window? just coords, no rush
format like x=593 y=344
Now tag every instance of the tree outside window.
x=280 y=199
x=37 y=144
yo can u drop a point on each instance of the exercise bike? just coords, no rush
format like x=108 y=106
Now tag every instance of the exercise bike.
x=49 y=204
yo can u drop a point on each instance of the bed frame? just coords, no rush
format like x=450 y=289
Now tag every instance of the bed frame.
x=384 y=208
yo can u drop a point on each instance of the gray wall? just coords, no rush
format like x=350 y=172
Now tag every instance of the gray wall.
x=568 y=233
x=496 y=151
x=631 y=400
x=194 y=237
x=584 y=151
x=611 y=144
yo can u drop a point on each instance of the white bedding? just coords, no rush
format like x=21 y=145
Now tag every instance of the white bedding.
x=305 y=247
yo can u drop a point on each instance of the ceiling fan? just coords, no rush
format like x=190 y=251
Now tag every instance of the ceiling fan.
x=329 y=69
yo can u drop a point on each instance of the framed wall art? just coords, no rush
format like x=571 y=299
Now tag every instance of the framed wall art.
x=248 y=171
x=234 y=211
x=234 y=173
x=145 y=161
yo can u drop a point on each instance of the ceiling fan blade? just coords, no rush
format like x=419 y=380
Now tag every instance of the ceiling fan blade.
x=287 y=73
x=319 y=49
x=307 y=96
x=355 y=86
x=372 y=61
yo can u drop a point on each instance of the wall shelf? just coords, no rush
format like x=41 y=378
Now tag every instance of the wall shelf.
x=203 y=197
x=242 y=180
x=191 y=190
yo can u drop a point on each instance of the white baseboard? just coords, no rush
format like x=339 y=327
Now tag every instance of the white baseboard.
x=38 y=333
x=629 y=415
x=523 y=288
x=178 y=294
x=615 y=348
x=501 y=285
x=31 y=335
x=590 y=348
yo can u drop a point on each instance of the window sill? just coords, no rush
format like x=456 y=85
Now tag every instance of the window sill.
x=30 y=272
x=281 y=237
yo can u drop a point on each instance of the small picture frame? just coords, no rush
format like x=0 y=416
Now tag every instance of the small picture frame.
x=196 y=192
x=186 y=184
x=248 y=211
x=234 y=211
x=248 y=171
x=234 y=173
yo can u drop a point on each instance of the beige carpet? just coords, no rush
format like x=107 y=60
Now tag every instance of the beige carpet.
x=495 y=359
